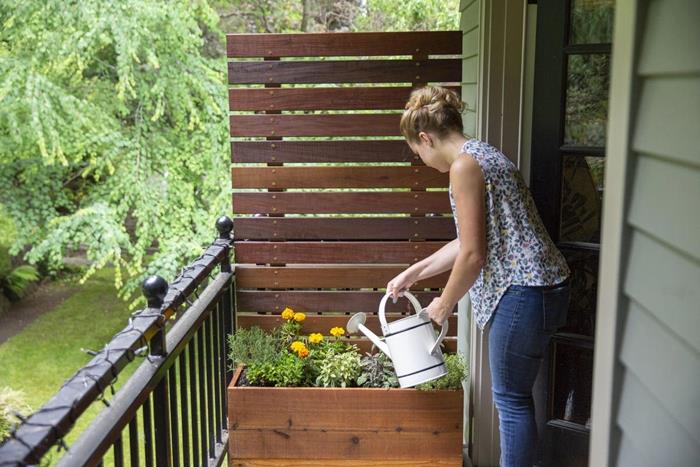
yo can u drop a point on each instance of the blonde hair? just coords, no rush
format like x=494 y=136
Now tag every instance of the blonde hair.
x=432 y=109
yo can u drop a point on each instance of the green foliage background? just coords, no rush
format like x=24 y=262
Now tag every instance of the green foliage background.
x=113 y=130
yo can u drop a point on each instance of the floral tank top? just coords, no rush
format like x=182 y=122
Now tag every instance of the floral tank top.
x=519 y=250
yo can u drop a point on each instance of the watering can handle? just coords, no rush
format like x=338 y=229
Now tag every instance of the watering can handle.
x=382 y=317
x=419 y=309
x=443 y=332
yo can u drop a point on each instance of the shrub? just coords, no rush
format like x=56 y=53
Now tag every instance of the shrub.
x=11 y=402
x=16 y=281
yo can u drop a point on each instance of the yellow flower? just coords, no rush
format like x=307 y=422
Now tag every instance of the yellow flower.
x=337 y=331
x=303 y=352
x=299 y=317
x=288 y=313
x=315 y=338
x=296 y=346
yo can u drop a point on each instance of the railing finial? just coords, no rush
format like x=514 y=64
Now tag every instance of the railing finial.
x=224 y=225
x=154 y=289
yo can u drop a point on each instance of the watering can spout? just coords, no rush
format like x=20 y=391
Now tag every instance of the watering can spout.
x=357 y=323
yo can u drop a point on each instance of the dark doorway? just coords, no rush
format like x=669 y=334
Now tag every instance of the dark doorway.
x=572 y=68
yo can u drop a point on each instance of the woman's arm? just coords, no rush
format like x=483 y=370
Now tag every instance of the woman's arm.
x=440 y=261
x=468 y=191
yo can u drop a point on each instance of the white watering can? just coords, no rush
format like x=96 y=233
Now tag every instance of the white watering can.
x=409 y=342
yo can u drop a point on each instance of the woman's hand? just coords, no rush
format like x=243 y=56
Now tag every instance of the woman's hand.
x=401 y=283
x=438 y=310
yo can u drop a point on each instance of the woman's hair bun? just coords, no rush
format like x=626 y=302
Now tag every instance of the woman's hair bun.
x=434 y=97
x=432 y=108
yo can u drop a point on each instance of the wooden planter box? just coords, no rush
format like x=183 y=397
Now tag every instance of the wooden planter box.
x=343 y=426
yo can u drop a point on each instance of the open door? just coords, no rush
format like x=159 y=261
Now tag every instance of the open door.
x=572 y=67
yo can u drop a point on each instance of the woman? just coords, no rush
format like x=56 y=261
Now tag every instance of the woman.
x=516 y=278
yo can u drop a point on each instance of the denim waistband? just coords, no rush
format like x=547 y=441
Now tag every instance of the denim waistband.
x=563 y=283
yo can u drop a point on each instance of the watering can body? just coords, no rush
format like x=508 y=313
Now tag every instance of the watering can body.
x=410 y=342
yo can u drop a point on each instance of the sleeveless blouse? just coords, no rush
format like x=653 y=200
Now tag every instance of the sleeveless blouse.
x=519 y=250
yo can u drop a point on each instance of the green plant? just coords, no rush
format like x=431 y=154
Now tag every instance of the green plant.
x=11 y=403
x=16 y=282
x=377 y=372
x=339 y=370
x=456 y=373
x=252 y=346
x=286 y=370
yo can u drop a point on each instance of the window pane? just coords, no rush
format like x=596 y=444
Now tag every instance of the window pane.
x=573 y=367
x=581 y=198
x=584 y=286
x=591 y=21
x=587 y=99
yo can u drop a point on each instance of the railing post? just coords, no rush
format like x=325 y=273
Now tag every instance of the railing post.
x=225 y=227
x=155 y=288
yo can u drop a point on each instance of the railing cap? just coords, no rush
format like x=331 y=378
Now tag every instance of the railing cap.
x=154 y=289
x=224 y=225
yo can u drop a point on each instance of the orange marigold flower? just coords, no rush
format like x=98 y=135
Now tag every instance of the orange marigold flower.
x=337 y=331
x=303 y=353
x=296 y=346
x=315 y=338
x=299 y=317
x=288 y=313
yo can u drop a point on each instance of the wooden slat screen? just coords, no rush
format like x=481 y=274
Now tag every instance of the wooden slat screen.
x=329 y=202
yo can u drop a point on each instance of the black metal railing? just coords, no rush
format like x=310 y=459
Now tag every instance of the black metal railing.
x=172 y=410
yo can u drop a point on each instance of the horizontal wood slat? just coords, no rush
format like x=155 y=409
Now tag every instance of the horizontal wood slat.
x=312 y=277
x=323 y=324
x=363 y=445
x=316 y=125
x=322 y=151
x=354 y=228
x=313 y=301
x=333 y=252
x=345 y=71
x=341 y=202
x=346 y=407
x=338 y=177
x=344 y=44
x=380 y=462
x=349 y=98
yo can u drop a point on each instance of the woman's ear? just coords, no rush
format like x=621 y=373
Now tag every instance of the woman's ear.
x=426 y=138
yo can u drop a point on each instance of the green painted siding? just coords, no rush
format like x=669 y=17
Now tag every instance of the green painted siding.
x=469 y=23
x=658 y=414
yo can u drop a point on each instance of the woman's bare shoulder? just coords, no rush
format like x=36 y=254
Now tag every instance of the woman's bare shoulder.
x=465 y=168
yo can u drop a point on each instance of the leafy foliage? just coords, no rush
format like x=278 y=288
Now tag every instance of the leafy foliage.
x=377 y=372
x=456 y=373
x=252 y=345
x=113 y=132
x=11 y=403
x=286 y=370
x=15 y=283
x=339 y=370
x=337 y=15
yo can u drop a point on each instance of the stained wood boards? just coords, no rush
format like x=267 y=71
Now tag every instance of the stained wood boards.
x=337 y=424
x=329 y=202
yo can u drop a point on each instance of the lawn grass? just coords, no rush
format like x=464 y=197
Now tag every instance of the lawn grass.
x=47 y=352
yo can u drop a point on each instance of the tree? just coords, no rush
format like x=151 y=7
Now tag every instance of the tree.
x=113 y=131
x=112 y=116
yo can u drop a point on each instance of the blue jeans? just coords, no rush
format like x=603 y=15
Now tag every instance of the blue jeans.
x=524 y=320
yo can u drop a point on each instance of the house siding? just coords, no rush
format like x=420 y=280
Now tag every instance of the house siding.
x=469 y=24
x=657 y=416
